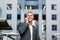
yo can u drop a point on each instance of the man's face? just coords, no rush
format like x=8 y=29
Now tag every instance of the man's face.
x=30 y=16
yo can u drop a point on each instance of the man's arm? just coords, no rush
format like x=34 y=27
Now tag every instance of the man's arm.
x=21 y=27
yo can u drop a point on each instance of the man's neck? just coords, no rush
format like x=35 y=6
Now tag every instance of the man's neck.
x=30 y=23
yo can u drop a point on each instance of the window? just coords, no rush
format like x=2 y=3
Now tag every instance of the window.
x=18 y=16
x=44 y=27
x=53 y=37
x=31 y=0
x=19 y=8
x=27 y=7
x=35 y=7
x=54 y=27
x=31 y=7
x=9 y=16
x=36 y=16
x=43 y=17
x=9 y=6
x=44 y=7
x=54 y=17
x=53 y=7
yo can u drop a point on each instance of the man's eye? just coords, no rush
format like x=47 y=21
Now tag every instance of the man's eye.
x=28 y=15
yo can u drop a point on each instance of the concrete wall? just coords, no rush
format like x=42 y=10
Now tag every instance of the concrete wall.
x=13 y=12
x=49 y=20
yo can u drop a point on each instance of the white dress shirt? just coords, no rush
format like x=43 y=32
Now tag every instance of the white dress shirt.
x=31 y=32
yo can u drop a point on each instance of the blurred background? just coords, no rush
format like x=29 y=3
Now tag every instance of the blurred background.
x=46 y=13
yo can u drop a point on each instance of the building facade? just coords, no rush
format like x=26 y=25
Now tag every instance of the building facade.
x=8 y=11
x=46 y=13
x=52 y=20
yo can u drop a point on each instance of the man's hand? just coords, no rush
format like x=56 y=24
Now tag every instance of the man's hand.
x=26 y=19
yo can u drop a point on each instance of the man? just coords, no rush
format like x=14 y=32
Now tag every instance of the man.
x=27 y=30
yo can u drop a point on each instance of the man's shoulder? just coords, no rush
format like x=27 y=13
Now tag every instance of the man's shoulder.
x=22 y=24
x=35 y=27
x=22 y=27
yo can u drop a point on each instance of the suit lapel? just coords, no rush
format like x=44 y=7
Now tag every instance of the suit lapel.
x=33 y=32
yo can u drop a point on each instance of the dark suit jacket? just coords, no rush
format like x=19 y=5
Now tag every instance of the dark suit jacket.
x=24 y=31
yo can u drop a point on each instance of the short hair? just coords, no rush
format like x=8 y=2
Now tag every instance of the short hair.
x=29 y=12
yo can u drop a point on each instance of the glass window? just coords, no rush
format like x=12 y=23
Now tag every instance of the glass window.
x=35 y=7
x=31 y=7
x=54 y=37
x=43 y=17
x=18 y=16
x=54 y=27
x=43 y=7
x=27 y=7
x=53 y=7
x=9 y=6
x=19 y=8
x=54 y=17
x=9 y=16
